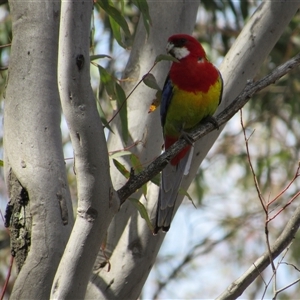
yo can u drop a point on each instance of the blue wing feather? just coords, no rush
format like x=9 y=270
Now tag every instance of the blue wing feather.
x=167 y=94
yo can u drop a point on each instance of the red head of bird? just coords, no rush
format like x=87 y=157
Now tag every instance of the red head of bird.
x=183 y=46
x=192 y=64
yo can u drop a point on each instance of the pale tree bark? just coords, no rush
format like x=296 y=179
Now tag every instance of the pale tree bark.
x=97 y=202
x=34 y=161
x=131 y=246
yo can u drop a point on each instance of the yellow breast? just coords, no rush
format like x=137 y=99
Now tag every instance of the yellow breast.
x=187 y=109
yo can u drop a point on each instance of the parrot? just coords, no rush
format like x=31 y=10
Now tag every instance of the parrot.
x=192 y=92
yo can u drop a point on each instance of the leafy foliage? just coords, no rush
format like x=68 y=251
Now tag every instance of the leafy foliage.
x=142 y=210
x=117 y=21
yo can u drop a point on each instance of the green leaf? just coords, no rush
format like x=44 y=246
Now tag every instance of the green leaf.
x=151 y=82
x=143 y=7
x=1 y=163
x=116 y=32
x=166 y=57
x=156 y=180
x=142 y=210
x=117 y=18
x=99 y=56
x=244 y=5
x=115 y=91
x=121 y=168
x=122 y=6
x=185 y=193
x=136 y=163
x=122 y=108
x=105 y=76
x=119 y=154
x=108 y=81
x=144 y=190
x=137 y=166
x=103 y=117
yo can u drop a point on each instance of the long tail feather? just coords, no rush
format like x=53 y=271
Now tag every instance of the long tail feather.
x=170 y=183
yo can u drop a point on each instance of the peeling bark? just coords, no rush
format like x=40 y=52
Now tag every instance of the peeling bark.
x=18 y=219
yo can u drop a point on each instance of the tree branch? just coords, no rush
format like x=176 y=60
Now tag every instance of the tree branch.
x=135 y=182
x=288 y=234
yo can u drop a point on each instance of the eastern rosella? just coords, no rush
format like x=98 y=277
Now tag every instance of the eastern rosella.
x=192 y=92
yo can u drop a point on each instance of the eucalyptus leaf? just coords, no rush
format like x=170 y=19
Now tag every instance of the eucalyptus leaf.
x=121 y=168
x=151 y=82
x=142 y=210
x=122 y=108
x=165 y=57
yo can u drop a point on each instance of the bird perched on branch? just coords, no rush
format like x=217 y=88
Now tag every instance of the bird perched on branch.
x=191 y=93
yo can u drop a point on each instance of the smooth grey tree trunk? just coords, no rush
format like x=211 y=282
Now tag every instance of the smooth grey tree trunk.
x=34 y=161
x=97 y=201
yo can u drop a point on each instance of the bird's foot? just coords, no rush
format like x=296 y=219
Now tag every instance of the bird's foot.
x=212 y=120
x=185 y=135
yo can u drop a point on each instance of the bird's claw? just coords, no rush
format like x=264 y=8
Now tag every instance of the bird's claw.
x=213 y=120
x=186 y=136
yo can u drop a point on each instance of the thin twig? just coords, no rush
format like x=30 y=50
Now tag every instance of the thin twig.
x=7 y=278
x=6 y=45
x=286 y=287
x=274 y=274
x=259 y=193
x=283 y=241
x=297 y=174
x=261 y=199
x=288 y=234
x=135 y=87
x=291 y=284
x=284 y=207
x=291 y=265
x=126 y=148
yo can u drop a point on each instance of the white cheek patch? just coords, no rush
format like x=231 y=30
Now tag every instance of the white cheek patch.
x=180 y=53
x=169 y=47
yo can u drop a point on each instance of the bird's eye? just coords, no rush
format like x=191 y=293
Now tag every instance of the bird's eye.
x=182 y=41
